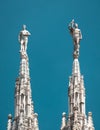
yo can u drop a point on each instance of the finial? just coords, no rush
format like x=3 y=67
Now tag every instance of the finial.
x=9 y=116
x=89 y=113
x=36 y=121
x=64 y=123
x=9 y=122
x=77 y=36
x=90 y=121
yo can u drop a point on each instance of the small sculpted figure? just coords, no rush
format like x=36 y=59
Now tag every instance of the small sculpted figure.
x=23 y=38
x=76 y=35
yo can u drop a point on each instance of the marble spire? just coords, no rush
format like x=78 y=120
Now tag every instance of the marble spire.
x=64 y=123
x=25 y=118
x=77 y=119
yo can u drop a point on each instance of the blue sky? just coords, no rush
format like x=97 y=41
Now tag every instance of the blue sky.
x=50 y=55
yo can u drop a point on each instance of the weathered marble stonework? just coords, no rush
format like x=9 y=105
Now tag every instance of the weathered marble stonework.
x=24 y=118
x=76 y=119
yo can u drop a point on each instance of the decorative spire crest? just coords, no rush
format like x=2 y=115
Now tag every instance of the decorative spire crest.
x=77 y=36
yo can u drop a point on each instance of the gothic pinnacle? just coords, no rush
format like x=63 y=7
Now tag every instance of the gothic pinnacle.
x=76 y=119
x=90 y=121
x=64 y=123
x=25 y=118
x=9 y=122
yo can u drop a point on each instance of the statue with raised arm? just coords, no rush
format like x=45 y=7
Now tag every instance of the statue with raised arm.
x=76 y=35
x=23 y=38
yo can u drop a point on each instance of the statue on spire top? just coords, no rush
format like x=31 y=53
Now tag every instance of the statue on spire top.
x=76 y=35
x=23 y=38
